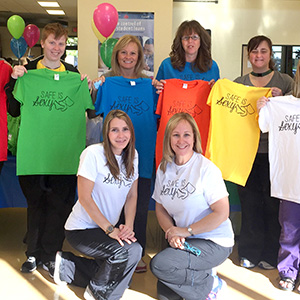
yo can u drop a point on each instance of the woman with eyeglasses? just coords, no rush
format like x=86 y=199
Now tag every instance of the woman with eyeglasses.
x=190 y=58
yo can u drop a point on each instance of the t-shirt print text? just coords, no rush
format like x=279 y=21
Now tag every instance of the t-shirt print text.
x=179 y=188
x=130 y=104
x=123 y=181
x=183 y=106
x=237 y=104
x=290 y=123
x=53 y=100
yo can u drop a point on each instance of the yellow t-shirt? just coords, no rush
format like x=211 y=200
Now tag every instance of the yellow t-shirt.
x=234 y=132
x=61 y=68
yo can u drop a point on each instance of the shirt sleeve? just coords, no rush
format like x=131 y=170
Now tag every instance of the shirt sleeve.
x=214 y=185
x=157 y=186
x=88 y=165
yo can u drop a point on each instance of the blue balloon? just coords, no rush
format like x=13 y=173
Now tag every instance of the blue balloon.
x=18 y=46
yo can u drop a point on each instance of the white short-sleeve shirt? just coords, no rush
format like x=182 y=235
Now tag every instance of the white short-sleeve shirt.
x=187 y=191
x=108 y=193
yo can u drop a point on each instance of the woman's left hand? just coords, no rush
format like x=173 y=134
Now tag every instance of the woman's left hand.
x=276 y=92
x=127 y=234
x=159 y=85
x=83 y=76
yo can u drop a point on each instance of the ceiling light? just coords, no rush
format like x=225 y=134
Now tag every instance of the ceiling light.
x=55 y=12
x=48 y=4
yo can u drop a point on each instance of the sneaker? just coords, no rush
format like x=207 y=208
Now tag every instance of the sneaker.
x=88 y=294
x=141 y=267
x=29 y=265
x=49 y=266
x=57 y=267
x=219 y=290
x=266 y=266
x=244 y=262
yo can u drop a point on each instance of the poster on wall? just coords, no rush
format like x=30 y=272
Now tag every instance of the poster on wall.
x=140 y=25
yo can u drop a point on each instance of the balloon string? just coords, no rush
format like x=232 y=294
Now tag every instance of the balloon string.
x=19 y=56
x=28 y=55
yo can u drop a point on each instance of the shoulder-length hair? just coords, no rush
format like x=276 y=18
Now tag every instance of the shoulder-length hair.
x=296 y=88
x=203 y=61
x=168 y=153
x=255 y=41
x=128 y=152
x=121 y=44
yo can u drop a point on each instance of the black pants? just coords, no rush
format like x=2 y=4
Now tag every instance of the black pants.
x=260 y=231
x=140 y=222
x=50 y=199
x=109 y=273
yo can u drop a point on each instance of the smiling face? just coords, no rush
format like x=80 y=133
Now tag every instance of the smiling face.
x=53 y=48
x=182 y=142
x=119 y=135
x=128 y=57
x=190 y=44
x=260 y=57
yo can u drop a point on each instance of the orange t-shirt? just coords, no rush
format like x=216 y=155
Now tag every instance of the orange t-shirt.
x=183 y=96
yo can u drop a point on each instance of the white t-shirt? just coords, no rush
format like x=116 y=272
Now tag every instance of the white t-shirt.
x=108 y=193
x=281 y=118
x=187 y=191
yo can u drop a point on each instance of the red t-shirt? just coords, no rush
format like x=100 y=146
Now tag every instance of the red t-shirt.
x=183 y=96
x=5 y=71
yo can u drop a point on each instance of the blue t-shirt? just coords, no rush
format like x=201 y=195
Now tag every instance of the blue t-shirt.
x=166 y=71
x=136 y=97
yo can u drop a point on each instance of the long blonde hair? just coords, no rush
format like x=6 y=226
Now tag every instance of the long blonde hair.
x=168 y=153
x=296 y=89
x=129 y=151
x=121 y=44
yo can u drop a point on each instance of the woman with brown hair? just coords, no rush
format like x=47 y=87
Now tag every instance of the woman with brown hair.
x=190 y=58
x=107 y=183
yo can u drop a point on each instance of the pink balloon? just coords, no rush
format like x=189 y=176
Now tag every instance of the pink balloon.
x=31 y=35
x=105 y=19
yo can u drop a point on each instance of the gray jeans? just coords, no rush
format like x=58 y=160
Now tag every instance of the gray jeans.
x=186 y=274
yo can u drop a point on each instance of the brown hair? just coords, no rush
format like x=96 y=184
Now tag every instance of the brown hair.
x=168 y=153
x=121 y=44
x=255 y=41
x=129 y=151
x=56 y=29
x=203 y=61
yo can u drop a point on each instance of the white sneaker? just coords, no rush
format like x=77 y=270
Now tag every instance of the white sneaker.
x=88 y=295
x=56 y=276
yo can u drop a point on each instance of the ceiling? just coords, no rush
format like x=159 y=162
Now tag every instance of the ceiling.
x=33 y=13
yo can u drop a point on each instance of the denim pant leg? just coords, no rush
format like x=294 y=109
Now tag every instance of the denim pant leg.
x=113 y=267
x=188 y=275
x=289 y=252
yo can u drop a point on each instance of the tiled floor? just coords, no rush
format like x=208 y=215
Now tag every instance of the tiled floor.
x=242 y=284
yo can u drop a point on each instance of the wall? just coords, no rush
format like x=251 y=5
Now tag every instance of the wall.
x=234 y=22
x=88 y=43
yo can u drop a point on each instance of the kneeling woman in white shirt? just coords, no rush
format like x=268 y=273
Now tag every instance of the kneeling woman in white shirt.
x=191 y=206
x=107 y=182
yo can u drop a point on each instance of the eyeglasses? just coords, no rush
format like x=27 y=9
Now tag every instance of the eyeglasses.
x=193 y=37
x=188 y=247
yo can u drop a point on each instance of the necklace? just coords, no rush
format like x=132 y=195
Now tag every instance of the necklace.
x=177 y=168
x=261 y=74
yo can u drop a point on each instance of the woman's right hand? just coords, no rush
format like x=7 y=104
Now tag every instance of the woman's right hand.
x=261 y=102
x=177 y=242
x=18 y=71
x=100 y=79
x=115 y=235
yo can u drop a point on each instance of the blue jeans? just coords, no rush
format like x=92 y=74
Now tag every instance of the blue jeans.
x=109 y=273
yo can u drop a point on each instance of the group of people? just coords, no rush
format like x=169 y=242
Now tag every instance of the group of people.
x=108 y=221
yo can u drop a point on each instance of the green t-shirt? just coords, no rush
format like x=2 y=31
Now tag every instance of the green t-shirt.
x=52 y=129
